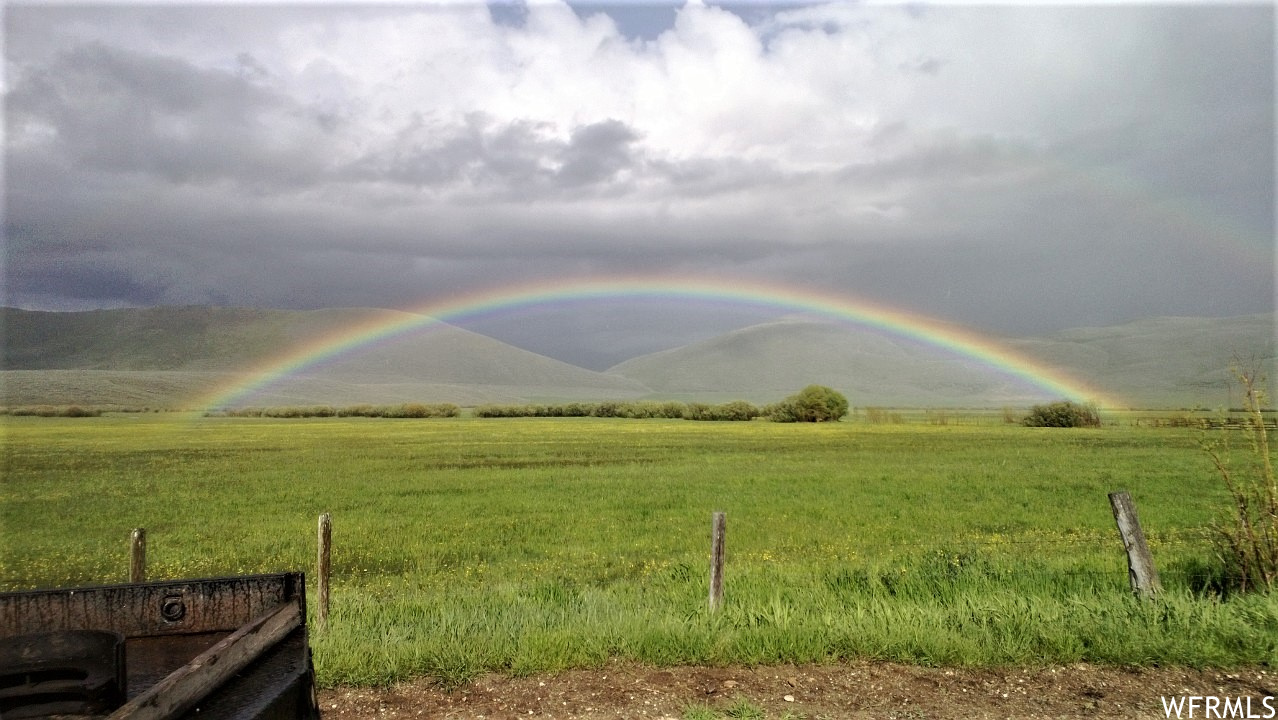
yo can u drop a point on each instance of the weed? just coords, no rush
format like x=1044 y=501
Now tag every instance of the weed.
x=1247 y=540
x=700 y=712
x=743 y=709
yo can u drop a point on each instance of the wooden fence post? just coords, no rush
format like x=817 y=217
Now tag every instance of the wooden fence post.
x=137 y=556
x=1140 y=564
x=325 y=548
x=718 y=526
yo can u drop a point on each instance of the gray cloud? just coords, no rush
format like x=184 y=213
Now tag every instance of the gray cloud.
x=123 y=112
x=516 y=160
x=596 y=153
x=1013 y=168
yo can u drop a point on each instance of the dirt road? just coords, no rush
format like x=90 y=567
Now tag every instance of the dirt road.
x=848 y=691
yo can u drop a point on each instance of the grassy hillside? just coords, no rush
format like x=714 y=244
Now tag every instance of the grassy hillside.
x=765 y=362
x=1162 y=362
x=163 y=338
x=138 y=390
x=1159 y=362
x=170 y=357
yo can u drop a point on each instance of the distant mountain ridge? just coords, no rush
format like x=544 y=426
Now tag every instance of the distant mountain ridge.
x=1162 y=361
x=49 y=357
x=1155 y=362
x=162 y=338
x=772 y=359
x=177 y=356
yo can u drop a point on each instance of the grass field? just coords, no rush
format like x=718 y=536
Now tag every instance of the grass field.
x=522 y=545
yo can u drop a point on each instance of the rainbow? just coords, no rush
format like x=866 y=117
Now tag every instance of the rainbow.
x=963 y=343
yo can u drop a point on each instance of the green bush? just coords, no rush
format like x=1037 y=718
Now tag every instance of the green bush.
x=491 y=411
x=574 y=409
x=410 y=410
x=295 y=411
x=1064 y=413
x=815 y=403
x=419 y=409
x=696 y=411
x=512 y=411
x=637 y=410
x=406 y=410
x=737 y=410
x=70 y=411
x=605 y=409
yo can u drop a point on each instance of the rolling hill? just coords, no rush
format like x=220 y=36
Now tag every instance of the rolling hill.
x=1156 y=362
x=176 y=357
x=1162 y=362
x=765 y=362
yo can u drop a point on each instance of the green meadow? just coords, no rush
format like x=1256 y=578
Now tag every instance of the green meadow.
x=462 y=545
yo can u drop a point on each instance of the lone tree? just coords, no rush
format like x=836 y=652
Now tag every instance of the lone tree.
x=814 y=403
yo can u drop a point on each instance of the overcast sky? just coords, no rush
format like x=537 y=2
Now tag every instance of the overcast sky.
x=1013 y=168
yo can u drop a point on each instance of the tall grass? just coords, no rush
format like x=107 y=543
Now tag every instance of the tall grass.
x=1247 y=539
x=463 y=545
x=783 y=615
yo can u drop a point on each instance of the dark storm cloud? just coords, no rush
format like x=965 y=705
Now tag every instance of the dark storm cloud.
x=71 y=280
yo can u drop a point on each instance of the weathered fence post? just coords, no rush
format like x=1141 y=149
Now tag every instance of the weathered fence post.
x=325 y=548
x=137 y=556
x=1140 y=564
x=718 y=526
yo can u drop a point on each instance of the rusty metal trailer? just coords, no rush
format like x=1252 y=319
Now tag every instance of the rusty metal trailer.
x=219 y=648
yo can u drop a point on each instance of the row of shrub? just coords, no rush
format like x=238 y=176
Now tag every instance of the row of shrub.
x=405 y=410
x=52 y=411
x=637 y=410
x=814 y=403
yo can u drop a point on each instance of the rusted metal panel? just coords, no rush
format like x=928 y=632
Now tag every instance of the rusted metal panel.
x=155 y=608
x=162 y=627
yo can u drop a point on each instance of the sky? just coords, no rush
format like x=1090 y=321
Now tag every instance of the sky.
x=1016 y=169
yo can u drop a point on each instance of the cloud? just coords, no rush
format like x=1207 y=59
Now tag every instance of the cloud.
x=482 y=157
x=1111 y=161
x=122 y=112
x=596 y=153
